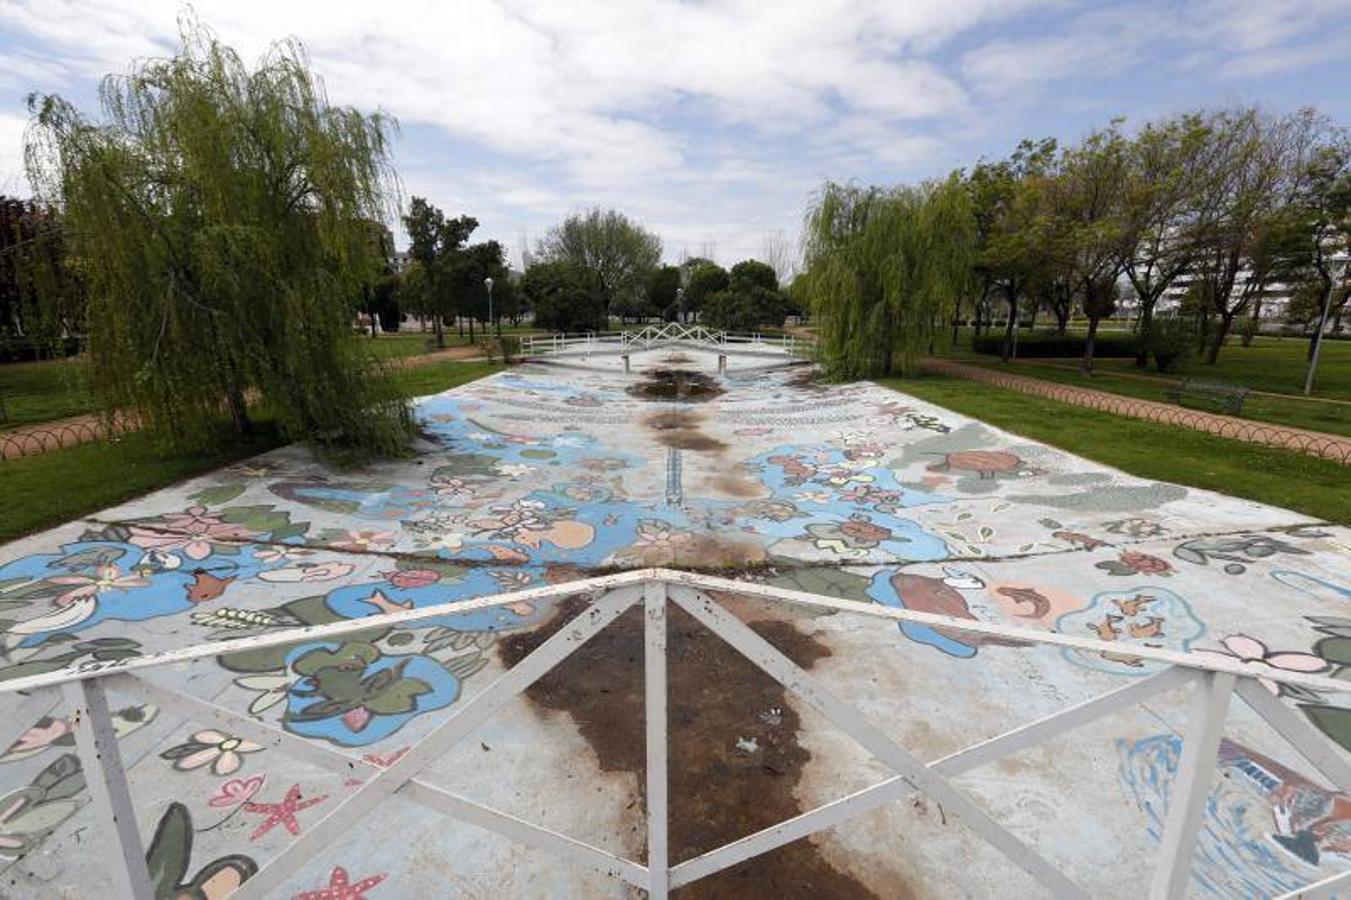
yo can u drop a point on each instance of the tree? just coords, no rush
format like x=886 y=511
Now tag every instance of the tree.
x=752 y=273
x=779 y=256
x=435 y=243
x=1244 y=249
x=41 y=293
x=1167 y=201
x=882 y=266
x=1320 y=237
x=662 y=297
x=744 y=308
x=1005 y=201
x=1087 y=188
x=565 y=297
x=618 y=251
x=220 y=217
x=706 y=279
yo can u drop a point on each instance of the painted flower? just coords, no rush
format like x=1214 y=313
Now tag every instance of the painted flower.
x=656 y=533
x=307 y=572
x=452 y=487
x=107 y=577
x=411 y=578
x=235 y=791
x=364 y=541
x=41 y=735
x=813 y=496
x=513 y=470
x=195 y=531
x=281 y=554
x=222 y=752
x=864 y=532
x=1251 y=650
x=271 y=689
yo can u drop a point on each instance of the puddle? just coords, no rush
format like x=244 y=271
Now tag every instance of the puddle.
x=735 y=757
x=680 y=385
x=680 y=429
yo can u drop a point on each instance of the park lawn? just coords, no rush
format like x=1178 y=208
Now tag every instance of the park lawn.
x=1316 y=487
x=42 y=391
x=1123 y=378
x=1270 y=364
x=51 y=488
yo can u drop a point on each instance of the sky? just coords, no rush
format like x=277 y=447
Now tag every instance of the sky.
x=711 y=123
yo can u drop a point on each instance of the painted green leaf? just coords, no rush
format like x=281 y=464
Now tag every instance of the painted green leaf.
x=1335 y=650
x=215 y=496
x=1334 y=721
x=87 y=559
x=62 y=778
x=170 y=850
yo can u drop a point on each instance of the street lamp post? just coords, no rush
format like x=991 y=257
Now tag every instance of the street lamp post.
x=488 y=283
x=680 y=304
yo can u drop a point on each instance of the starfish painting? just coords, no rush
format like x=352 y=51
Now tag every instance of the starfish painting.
x=340 y=887
x=283 y=813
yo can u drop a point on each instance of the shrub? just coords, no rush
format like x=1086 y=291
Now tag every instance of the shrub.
x=1170 y=340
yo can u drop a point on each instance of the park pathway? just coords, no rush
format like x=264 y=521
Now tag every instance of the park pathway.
x=1314 y=443
x=57 y=434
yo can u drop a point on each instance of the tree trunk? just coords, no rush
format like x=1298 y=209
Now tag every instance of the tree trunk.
x=1062 y=320
x=439 y=326
x=1142 y=333
x=1213 y=348
x=1012 y=324
x=1089 y=343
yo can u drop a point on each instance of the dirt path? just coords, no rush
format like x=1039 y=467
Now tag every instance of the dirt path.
x=1314 y=443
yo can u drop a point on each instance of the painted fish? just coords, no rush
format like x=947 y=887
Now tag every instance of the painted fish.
x=1310 y=820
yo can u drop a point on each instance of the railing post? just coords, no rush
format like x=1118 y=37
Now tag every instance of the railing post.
x=654 y=683
x=1206 y=709
x=106 y=778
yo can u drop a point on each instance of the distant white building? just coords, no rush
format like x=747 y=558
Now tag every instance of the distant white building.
x=399 y=262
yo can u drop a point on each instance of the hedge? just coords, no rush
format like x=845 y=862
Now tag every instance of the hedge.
x=1045 y=345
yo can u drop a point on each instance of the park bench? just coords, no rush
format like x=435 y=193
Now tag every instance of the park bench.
x=1229 y=396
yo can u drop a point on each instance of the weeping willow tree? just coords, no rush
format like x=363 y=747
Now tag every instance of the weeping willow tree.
x=885 y=268
x=222 y=220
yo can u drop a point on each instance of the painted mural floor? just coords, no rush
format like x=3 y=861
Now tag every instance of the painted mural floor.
x=547 y=474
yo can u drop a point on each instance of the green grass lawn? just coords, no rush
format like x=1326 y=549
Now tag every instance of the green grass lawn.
x=50 y=488
x=1148 y=450
x=42 y=391
x=1270 y=364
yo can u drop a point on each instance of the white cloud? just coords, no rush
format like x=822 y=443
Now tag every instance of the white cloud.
x=710 y=119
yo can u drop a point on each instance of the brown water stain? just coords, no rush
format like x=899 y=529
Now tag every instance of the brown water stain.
x=683 y=385
x=680 y=428
x=735 y=484
x=718 y=791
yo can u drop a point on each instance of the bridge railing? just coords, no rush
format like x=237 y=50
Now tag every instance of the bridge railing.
x=1213 y=681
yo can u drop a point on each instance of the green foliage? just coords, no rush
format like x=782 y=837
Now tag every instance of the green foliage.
x=618 y=252
x=435 y=247
x=565 y=297
x=705 y=279
x=883 y=267
x=1047 y=345
x=743 y=310
x=662 y=286
x=221 y=219
x=1170 y=340
x=751 y=273
x=41 y=292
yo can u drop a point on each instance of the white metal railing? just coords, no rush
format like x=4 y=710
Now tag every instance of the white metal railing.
x=1211 y=679
x=664 y=335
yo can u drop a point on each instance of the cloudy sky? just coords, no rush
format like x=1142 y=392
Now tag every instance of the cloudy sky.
x=711 y=122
